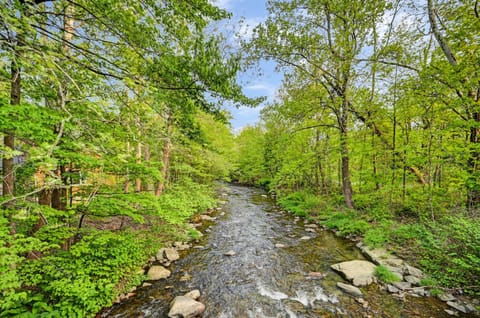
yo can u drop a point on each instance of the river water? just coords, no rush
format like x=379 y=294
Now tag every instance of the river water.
x=266 y=280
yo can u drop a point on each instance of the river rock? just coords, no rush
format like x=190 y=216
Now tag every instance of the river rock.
x=402 y=285
x=458 y=307
x=420 y=291
x=311 y=230
x=305 y=238
x=279 y=245
x=312 y=226
x=181 y=246
x=380 y=256
x=158 y=272
x=392 y=289
x=360 y=273
x=194 y=294
x=412 y=280
x=446 y=297
x=206 y=217
x=185 y=307
x=316 y=275
x=230 y=253
x=171 y=254
x=413 y=271
x=349 y=289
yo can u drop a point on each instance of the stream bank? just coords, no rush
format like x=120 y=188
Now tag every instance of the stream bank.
x=281 y=267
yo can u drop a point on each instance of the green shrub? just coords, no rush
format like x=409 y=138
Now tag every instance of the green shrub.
x=300 y=203
x=385 y=275
x=82 y=280
x=347 y=223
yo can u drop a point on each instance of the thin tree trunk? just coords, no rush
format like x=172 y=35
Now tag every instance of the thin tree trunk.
x=346 y=182
x=126 y=186
x=165 y=159
x=138 y=180
x=146 y=151
x=8 y=166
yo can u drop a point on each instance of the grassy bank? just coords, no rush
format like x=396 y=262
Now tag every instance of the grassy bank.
x=447 y=248
x=74 y=266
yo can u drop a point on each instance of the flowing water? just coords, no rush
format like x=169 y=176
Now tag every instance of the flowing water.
x=265 y=280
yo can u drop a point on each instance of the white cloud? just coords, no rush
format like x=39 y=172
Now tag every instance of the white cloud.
x=264 y=88
x=224 y=4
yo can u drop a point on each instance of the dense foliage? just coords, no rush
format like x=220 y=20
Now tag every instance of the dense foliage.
x=113 y=137
x=375 y=130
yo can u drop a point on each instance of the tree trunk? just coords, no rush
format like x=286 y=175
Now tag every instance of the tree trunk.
x=165 y=159
x=126 y=186
x=59 y=195
x=45 y=197
x=164 y=170
x=473 y=181
x=345 y=168
x=138 y=155
x=146 y=186
x=8 y=185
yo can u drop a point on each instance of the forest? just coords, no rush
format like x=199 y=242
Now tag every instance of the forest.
x=115 y=134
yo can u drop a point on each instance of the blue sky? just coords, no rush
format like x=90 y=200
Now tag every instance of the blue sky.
x=251 y=12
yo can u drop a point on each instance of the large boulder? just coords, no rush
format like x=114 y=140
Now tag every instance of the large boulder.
x=360 y=273
x=185 y=307
x=158 y=272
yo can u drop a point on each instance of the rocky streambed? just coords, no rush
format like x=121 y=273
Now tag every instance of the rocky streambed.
x=259 y=261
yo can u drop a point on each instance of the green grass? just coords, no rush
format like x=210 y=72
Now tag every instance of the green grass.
x=386 y=276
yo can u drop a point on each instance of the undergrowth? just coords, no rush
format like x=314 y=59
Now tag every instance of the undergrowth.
x=447 y=248
x=63 y=270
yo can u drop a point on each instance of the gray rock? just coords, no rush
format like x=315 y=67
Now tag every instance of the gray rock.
x=171 y=254
x=392 y=289
x=410 y=270
x=279 y=245
x=446 y=297
x=360 y=273
x=349 y=289
x=305 y=238
x=194 y=294
x=380 y=256
x=470 y=308
x=312 y=226
x=158 y=272
x=395 y=269
x=402 y=285
x=420 y=291
x=457 y=306
x=230 y=253
x=414 y=280
x=450 y=312
x=185 y=307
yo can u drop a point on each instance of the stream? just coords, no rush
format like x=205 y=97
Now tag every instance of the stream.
x=264 y=279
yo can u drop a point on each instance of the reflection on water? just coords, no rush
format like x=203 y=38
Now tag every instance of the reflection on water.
x=265 y=280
